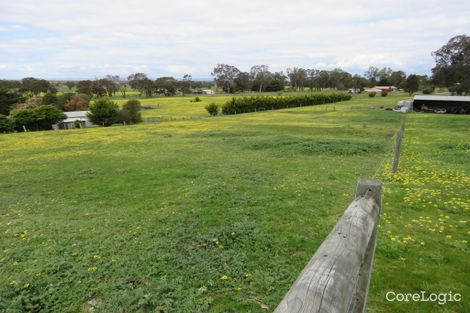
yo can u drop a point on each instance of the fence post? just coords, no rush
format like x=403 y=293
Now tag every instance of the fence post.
x=400 y=134
x=373 y=189
x=337 y=277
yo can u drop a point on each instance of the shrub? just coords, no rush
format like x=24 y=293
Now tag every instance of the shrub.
x=6 y=125
x=252 y=104
x=428 y=91
x=130 y=112
x=75 y=103
x=103 y=112
x=197 y=99
x=213 y=109
x=30 y=103
x=372 y=94
x=38 y=118
x=384 y=94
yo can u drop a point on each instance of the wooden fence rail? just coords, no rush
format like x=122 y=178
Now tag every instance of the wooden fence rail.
x=337 y=277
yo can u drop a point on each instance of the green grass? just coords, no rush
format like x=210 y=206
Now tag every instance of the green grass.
x=220 y=214
x=178 y=107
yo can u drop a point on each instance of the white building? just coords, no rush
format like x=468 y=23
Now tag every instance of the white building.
x=74 y=119
x=208 y=92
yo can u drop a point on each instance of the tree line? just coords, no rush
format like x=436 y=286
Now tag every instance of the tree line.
x=260 y=79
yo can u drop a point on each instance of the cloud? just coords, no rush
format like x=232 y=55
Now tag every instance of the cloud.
x=92 y=38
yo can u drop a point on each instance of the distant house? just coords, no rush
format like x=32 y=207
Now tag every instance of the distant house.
x=74 y=119
x=386 y=88
x=372 y=90
x=442 y=104
x=208 y=92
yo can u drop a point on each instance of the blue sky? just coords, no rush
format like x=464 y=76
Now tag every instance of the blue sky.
x=88 y=39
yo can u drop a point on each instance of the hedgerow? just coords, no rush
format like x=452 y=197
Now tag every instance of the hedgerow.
x=260 y=103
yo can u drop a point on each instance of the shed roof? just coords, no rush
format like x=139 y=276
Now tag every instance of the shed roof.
x=442 y=98
x=76 y=114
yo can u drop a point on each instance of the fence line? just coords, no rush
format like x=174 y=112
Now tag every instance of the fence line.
x=337 y=277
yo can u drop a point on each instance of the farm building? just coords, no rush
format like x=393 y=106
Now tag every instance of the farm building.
x=372 y=90
x=74 y=119
x=208 y=92
x=442 y=104
x=386 y=88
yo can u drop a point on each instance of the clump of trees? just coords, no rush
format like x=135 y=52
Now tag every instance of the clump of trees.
x=41 y=117
x=252 y=104
x=106 y=112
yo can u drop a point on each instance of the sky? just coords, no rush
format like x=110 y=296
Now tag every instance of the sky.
x=87 y=39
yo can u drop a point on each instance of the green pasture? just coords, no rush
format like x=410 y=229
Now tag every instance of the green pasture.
x=191 y=213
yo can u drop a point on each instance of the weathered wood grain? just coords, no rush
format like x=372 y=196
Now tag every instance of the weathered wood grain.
x=337 y=277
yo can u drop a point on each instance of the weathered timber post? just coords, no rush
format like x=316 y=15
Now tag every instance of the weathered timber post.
x=396 y=156
x=336 y=279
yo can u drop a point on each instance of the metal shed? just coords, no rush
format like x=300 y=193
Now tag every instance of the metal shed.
x=442 y=104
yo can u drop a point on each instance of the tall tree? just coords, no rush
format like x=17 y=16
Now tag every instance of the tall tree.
x=243 y=81
x=453 y=65
x=340 y=79
x=312 y=79
x=85 y=87
x=372 y=74
x=224 y=76
x=140 y=82
x=278 y=82
x=8 y=98
x=384 y=76
x=412 y=83
x=323 y=79
x=397 y=79
x=185 y=84
x=261 y=76
x=358 y=82
x=297 y=77
x=166 y=85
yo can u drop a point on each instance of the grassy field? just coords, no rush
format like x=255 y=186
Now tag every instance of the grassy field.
x=170 y=108
x=220 y=214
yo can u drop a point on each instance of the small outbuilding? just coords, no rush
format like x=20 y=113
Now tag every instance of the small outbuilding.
x=386 y=88
x=442 y=104
x=75 y=119
x=372 y=90
x=208 y=92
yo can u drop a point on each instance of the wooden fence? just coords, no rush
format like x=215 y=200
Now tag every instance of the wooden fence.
x=337 y=277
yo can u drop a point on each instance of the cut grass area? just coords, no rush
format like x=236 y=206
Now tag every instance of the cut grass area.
x=423 y=242
x=211 y=214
